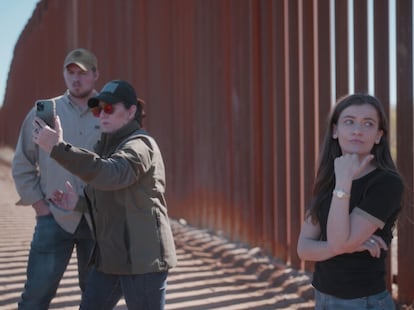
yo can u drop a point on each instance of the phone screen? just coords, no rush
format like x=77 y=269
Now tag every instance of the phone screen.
x=46 y=110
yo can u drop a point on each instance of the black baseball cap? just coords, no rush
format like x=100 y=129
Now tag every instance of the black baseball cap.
x=113 y=92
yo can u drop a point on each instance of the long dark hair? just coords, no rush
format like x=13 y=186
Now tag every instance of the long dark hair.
x=325 y=176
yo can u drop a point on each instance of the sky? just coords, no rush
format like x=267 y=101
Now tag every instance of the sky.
x=14 y=14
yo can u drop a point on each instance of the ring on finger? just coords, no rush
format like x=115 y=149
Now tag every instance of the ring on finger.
x=372 y=241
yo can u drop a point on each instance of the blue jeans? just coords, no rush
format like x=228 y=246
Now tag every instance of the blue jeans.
x=141 y=292
x=50 y=252
x=381 y=301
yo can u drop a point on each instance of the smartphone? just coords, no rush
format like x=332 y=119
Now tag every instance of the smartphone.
x=46 y=110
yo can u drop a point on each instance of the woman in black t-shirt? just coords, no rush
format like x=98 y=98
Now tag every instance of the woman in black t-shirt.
x=356 y=199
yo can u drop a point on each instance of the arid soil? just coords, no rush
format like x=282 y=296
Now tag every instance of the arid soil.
x=212 y=273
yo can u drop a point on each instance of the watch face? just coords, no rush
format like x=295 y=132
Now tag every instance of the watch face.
x=340 y=193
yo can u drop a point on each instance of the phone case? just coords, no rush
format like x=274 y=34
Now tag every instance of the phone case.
x=46 y=110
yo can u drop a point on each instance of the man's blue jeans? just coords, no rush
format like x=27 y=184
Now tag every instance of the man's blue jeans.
x=141 y=292
x=50 y=252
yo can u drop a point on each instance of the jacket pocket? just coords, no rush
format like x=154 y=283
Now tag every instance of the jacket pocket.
x=162 y=262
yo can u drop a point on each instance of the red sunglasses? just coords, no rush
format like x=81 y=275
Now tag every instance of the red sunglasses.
x=106 y=107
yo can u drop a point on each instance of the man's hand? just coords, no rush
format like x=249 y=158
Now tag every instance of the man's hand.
x=41 y=208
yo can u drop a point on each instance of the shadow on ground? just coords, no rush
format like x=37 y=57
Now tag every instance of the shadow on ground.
x=212 y=273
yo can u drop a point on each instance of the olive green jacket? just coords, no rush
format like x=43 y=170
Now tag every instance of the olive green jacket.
x=126 y=185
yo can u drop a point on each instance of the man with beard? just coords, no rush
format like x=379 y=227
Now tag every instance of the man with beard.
x=36 y=175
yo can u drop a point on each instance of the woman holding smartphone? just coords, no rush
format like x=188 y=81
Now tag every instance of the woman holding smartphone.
x=126 y=183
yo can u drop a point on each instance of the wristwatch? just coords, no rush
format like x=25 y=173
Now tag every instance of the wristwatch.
x=341 y=194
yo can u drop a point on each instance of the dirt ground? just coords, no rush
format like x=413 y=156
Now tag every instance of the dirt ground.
x=212 y=273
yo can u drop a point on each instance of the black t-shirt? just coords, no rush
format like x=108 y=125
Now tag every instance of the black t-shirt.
x=377 y=196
